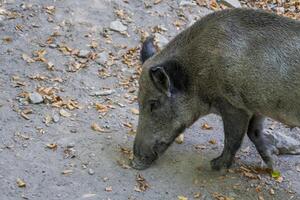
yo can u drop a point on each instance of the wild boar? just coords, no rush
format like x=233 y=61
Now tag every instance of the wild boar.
x=242 y=64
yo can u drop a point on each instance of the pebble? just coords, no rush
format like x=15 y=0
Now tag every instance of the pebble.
x=71 y=145
x=53 y=46
x=83 y=53
x=284 y=143
x=102 y=93
x=102 y=58
x=117 y=26
x=91 y=172
x=231 y=3
x=187 y=3
x=35 y=98
x=161 y=40
x=73 y=131
x=55 y=118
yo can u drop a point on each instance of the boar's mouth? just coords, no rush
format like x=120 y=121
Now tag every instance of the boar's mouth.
x=145 y=162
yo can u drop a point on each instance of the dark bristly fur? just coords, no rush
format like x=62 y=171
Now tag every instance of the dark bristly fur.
x=241 y=64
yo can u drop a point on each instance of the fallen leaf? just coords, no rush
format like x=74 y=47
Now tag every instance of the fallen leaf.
x=64 y=113
x=205 y=126
x=212 y=141
x=25 y=116
x=108 y=189
x=260 y=197
x=182 y=197
x=135 y=111
x=197 y=195
x=52 y=146
x=142 y=183
x=101 y=108
x=250 y=175
x=157 y=2
x=21 y=183
x=7 y=39
x=96 y=127
x=27 y=58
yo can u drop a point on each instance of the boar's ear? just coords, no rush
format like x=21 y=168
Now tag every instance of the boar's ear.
x=169 y=78
x=148 y=49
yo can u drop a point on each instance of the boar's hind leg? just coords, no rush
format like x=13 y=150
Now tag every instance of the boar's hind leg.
x=235 y=123
x=255 y=133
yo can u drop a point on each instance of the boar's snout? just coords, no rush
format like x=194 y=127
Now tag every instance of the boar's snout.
x=144 y=155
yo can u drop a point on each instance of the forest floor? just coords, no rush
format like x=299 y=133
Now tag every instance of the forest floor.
x=68 y=109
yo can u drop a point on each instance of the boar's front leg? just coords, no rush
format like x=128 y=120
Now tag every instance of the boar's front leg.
x=235 y=123
x=255 y=133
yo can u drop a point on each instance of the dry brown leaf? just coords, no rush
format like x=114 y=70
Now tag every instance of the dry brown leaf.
x=101 y=108
x=157 y=2
x=52 y=146
x=142 y=184
x=64 y=113
x=25 y=116
x=7 y=39
x=206 y=126
x=212 y=141
x=135 y=111
x=50 y=10
x=108 y=189
x=97 y=128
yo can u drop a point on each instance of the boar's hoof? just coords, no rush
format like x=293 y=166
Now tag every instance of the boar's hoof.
x=139 y=164
x=220 y=163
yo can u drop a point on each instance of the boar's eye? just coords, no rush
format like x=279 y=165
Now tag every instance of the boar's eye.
x=154 y=104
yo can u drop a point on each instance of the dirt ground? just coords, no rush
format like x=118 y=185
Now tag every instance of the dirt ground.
x=76 y=144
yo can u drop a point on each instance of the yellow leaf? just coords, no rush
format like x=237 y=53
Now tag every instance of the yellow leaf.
x=275 y=174
x=21 y=183
x=182 y=198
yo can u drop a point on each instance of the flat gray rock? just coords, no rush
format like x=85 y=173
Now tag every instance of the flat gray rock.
x=102 y=93
x=102 y=58
x=117 y=26
x=161 y=40
x=187 y=3
x=35 y=98
x=231 y=3
x=285 y=144
x=83 y=53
